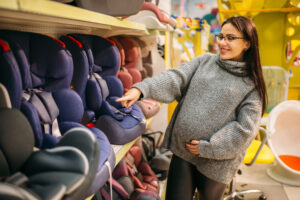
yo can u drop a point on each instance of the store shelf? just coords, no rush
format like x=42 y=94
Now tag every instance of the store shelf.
x=56 y=18
x=9 y=4
x=121 y=150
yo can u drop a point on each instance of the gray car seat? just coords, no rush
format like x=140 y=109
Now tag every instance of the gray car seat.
x=66 y=171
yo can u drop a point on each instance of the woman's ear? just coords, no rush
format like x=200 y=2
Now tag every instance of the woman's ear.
x=247 y=45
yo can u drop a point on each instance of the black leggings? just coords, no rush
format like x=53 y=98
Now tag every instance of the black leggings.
x=183 y=179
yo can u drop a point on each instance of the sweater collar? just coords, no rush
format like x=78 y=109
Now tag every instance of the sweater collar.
x=233 y=67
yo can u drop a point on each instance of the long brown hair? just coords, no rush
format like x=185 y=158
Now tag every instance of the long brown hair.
x=251 y=55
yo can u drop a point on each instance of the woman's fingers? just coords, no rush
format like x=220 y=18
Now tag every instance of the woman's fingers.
x=195 y=142
x=129 y=103
x=123 y=100
x=193 y=147
x=129 y=97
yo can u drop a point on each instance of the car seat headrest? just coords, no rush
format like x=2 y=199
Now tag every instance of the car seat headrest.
x=10 y=74
x=16 y=141
x=103 y=55
x=121 y=50
x=131 y=52
x=43 y=60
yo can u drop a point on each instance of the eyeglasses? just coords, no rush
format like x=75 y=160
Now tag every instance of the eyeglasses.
x=229 y=38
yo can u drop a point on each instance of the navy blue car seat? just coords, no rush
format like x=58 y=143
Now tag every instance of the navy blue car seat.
x=40 y=67
x=65 y=171
x=96 y=63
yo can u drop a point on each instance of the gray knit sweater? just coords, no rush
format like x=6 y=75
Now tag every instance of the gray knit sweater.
x=221 y=109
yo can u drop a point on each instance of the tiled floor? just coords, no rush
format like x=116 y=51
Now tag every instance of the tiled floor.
x=255 y=177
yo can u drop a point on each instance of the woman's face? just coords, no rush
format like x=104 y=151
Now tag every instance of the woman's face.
x=231 y=43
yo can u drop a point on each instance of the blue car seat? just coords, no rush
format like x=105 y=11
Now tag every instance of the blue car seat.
x=43 y=68
x=96 y=63
x=65 y=171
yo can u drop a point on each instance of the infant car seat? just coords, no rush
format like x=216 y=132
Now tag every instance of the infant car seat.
x=112 y=7
x=98 y=61
x=65 y=171
x=131 y=58
x=144 y=179
x=145 y=59
x=43 y=68
x=153 y=18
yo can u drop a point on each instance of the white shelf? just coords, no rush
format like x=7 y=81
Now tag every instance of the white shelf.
x=121 y=150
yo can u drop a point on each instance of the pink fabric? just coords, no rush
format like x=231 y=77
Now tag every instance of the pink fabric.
x=131 y=58
x=150 y=6
x=119 y=188
x=121 y=50
x=137 y=154
x=149 y=107
x=136 y=75
x=126 y=80
x=131 y=52
x=120 y=170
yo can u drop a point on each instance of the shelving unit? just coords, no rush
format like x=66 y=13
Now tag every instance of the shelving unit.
x=54 y=18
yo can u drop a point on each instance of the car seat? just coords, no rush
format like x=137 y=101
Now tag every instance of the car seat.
x=133 y=58
x=152 y=17
x=153 y=58
x=28 y=67
x=112 y=7
x=144 y=179
x=139 y=64
x=99 y=60
x=124 y=185
x=162 y=16
x=165 y=8
x=65 y=171
x=41 y=64
x=147 y=70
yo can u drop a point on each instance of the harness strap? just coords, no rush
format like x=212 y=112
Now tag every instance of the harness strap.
x=40 y=108
x=105 y=93
x=116 y=111
x=55 y=129
x=46 y=109
x=102 y=83
x=52 y=109
x=50 y=104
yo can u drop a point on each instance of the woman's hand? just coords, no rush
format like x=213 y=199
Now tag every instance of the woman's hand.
x=131 y=96
x=193 y=147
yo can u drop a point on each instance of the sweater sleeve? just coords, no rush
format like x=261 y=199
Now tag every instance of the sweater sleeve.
x=168 y=85
x=236 y=136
